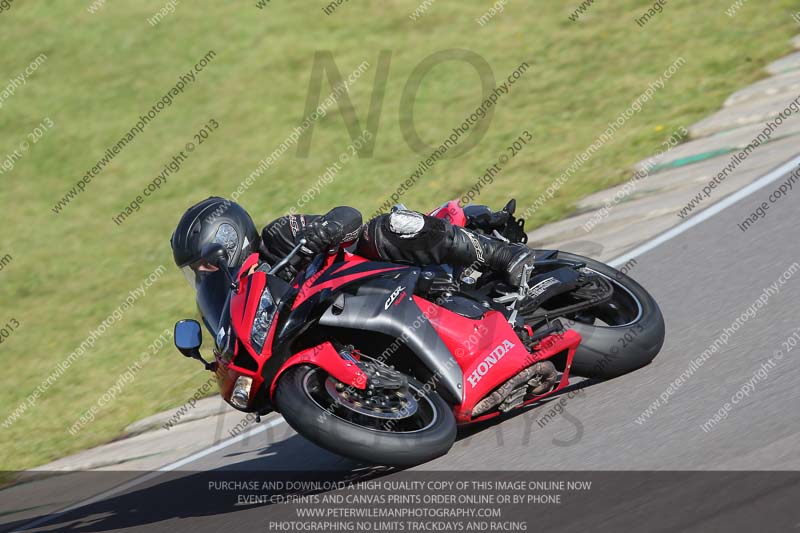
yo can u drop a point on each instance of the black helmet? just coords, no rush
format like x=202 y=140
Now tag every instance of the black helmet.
x=213 y=220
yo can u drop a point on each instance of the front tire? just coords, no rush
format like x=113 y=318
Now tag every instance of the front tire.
x=627 y=332
x=299 y=397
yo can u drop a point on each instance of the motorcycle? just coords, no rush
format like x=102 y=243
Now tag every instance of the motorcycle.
x=380 y=362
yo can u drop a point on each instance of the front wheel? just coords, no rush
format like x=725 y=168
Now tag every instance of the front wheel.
x=620 y=335
x=403 y=427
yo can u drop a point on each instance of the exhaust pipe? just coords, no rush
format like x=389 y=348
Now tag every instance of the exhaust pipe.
x=540 y=376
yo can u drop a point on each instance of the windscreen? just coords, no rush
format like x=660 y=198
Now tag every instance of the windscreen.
x=213 y=289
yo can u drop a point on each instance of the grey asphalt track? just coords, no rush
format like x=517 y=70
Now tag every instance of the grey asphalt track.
x=704 y=280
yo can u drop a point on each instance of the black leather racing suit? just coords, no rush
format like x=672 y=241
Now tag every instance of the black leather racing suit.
x=401 y=236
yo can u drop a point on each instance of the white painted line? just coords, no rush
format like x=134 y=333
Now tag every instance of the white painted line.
x=152 y=475
x=224 y=444
x=708 y=213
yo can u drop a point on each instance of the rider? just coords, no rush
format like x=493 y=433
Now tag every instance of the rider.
x=400 y=236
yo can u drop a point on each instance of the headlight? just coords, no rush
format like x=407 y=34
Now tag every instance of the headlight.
x=240 y=396
x=264 y=315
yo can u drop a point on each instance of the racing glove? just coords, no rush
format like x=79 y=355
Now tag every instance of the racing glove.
x=321 y=235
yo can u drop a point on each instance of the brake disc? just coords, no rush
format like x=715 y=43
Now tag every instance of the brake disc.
x=381 y=403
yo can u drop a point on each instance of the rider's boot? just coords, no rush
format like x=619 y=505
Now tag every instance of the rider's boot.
x=470 y=248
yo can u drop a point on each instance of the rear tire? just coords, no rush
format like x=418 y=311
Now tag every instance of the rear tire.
x=610 y=351
x=329 y=431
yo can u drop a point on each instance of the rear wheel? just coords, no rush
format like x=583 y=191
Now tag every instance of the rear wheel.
x=399 y=427
x=619 y=335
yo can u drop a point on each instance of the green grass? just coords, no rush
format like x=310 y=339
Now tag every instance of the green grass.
x=71 y=270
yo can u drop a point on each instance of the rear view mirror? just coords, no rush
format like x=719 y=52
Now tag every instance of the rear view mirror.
x=189 y=338
x=215 y=254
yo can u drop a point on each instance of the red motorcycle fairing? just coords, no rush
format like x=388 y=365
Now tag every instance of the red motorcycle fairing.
x=243 y=307
x=353 y=268
x=489 y=352
x=451 y=212
x=251 y=261
x=328 y=359
x=242 y=310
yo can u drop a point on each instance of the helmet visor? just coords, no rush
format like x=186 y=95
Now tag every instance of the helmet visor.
x=190 y=275
x=192 y=271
